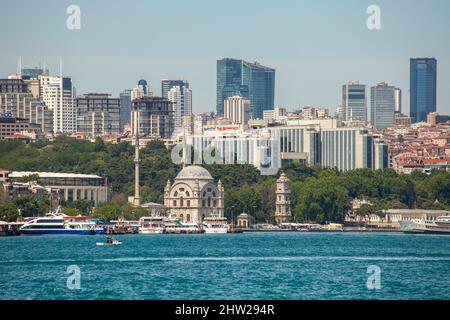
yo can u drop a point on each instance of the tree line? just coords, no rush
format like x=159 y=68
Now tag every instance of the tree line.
x=317 y=194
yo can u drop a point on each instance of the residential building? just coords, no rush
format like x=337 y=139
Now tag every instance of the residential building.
x=167 y=84
x=155 y=116
x=58 y=94
x=181 y=98
x=98 y=114
x=398 y=100
x=142 y=89
x=17 y=100
x=10 y=126
x=276 y=114
x=237 y=110
x=435 y=118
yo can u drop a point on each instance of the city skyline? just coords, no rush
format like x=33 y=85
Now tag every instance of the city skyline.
x=310 y=71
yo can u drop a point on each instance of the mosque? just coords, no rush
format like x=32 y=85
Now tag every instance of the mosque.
x=194 y=195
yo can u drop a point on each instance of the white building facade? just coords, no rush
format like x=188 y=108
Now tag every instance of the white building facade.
x=58 y=95
x=181 y=97
x=194 y=196
x=237 y=110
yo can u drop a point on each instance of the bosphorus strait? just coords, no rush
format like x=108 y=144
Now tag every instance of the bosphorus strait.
x=292 y=266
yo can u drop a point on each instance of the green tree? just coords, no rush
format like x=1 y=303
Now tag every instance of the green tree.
x=8 y=212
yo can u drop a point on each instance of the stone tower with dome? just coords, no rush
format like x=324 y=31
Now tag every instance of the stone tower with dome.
x=194 y=195
x=283 y=202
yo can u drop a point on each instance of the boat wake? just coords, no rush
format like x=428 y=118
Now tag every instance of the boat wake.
x=236 y=259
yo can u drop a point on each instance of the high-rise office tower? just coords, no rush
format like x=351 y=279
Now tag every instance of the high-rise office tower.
x=167 y=84
x=181 y=97
x=382 y=106
x=98 y=114
x=398 y=100
x=125 y=108
x=354 y=101
x=237 y=110
x=422 y=87
x=250 y=80
x=58 y=94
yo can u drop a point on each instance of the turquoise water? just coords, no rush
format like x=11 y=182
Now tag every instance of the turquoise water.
x=229 y=266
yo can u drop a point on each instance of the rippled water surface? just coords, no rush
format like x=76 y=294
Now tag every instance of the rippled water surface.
x=230 y=266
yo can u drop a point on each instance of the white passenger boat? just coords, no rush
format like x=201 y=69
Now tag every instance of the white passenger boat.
x=151 y=225
x=57 y=223
x=421 y=226
x=215 y=225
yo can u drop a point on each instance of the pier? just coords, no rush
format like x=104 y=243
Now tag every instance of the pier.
x=10 y=228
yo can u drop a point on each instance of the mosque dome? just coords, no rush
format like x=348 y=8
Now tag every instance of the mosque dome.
x=194 y=173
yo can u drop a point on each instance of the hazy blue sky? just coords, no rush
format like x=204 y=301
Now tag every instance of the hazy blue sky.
x=315 y=46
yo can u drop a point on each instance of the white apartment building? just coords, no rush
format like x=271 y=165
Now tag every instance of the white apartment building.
x=142 y=89
x=58 y=95
x=181 y=97
x=237 y=110
x=277 y=113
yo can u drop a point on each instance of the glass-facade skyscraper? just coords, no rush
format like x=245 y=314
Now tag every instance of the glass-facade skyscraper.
x=354 y=101
x=125 y=108
x=167 y=84
x=423 y=81
x=251 y=81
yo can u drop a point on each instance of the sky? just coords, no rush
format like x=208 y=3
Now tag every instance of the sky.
x=315 y=46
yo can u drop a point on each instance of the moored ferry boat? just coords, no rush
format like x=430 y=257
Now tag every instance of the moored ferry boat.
x=215 y=225
x=421 y=226
x=60 y=224
x=151 y=225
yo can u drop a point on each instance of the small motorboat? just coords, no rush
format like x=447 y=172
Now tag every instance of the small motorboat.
x=110 y=241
